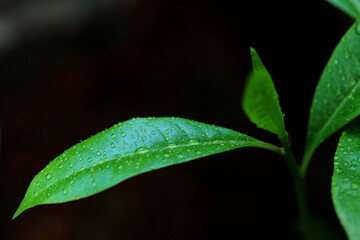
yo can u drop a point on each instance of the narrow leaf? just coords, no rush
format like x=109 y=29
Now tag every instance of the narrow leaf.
x=125 y=150
x=350 y=7
x=261 y=101
x=346 y=180
x=337 y=96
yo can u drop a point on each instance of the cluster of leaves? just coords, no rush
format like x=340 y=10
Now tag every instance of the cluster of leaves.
x=145 y=144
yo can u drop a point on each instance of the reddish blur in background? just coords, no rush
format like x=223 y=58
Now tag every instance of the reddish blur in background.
x=69 y=69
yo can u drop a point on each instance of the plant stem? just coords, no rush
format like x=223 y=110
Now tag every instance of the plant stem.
x=299 y=185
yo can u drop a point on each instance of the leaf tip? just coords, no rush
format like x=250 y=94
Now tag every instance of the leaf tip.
x=21 y=209
x=253 y=53
x=17 y=213
x=256 y=61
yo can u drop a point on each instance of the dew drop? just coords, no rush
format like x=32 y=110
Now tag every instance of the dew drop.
x=94 y=184
x=120 y=167
x=193 y=142
x=98 y=153
x=113 y=136
x=71 y=165
x=123 y=134
x=65 y=191
x=112 y=145
x=171 y=145
x=61 y=166
x=352 y=81
x=166 y=155
x=36 y=194
x=142 y=150
x=336 y=158
x=48 y=175
x=354 y=186
x=153 y=132
x=89 y=159
x=347 y=54
x=352 y=168
x=357 y=28
x=198 y=152
x=338 y=171
x=180 y=156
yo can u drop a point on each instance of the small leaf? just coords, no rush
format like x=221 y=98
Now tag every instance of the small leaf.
x=351 y=7
x=346 y=180
x=125 y=150
x=337 y=96
x=261 y=101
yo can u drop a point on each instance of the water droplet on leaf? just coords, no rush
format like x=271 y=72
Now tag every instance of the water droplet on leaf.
x=193 y=142
x=171 y=145
x=347 y=54
x=142 y=150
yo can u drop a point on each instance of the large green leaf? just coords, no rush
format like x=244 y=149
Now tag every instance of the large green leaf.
x=125 y=150
x=351 y=7
x=261 y=102
x=337 y=97
x=346 y=180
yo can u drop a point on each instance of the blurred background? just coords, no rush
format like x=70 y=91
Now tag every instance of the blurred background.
x=71 y=68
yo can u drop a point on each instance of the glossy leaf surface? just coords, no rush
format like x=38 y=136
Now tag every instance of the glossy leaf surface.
x=346 y=180
x=261 y=102
x=350 y=7
x=337 y=97
x=125 y=150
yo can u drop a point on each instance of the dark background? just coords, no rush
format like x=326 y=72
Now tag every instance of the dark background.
x=69 y=69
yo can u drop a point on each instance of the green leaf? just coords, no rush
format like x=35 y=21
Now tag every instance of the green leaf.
x=125 y=150
x=337 y=96
x=351 y=7
x=346 y=180
x=261 y=102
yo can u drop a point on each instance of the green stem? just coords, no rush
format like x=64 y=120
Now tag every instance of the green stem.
x=306 y=161
x=299 y=185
